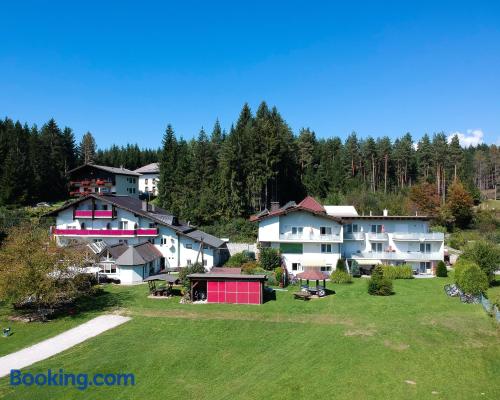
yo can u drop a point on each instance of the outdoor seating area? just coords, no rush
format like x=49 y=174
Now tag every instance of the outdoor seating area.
x=161 y=285
x=311 y=291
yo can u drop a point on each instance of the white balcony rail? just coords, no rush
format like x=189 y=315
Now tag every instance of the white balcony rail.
x=354 y=235
x=310 y=236
x=419 y=236
x=400 y=255
x=377 y=236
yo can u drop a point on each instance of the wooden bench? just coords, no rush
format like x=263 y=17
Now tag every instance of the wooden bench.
x=302 y=295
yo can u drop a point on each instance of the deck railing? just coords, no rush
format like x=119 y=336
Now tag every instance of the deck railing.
x=105 y=232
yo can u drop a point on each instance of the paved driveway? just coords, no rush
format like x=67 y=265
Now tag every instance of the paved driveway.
x=40 y=351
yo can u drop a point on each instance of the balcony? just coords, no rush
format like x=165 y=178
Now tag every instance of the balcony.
x=105 y=232
x=377 y=236
x=310 y=237
x=421 y=237
x=400 y=256
x=354 y=236
x=94 y=214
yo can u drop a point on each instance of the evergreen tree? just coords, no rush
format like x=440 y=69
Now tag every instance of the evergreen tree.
x=168 y=163
x=87 y=149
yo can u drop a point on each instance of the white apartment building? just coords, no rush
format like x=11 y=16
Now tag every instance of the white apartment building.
x=132 y=238
x=310 y=235
x=149 y=178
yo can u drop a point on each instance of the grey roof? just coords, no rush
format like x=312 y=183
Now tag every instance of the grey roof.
x=138 y=254
x=153 y=168
x=113 y=170
x=259 y=277
x=116 y=250
x=205 y=237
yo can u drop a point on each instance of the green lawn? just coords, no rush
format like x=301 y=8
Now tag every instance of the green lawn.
x=346 y=346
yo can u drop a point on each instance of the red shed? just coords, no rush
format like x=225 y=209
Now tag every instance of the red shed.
x=229 y=288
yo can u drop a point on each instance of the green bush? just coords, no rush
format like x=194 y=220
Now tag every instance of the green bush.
x=238 y=259
x=340 y=265
x=278 y=273
x=196 y=268
x=485 y=254
x=378 y=285
x=441 y=270
x=250 y=267
x=355 y=271
x=404 y=271
x=340 y=276
x=269 y=258
x=470 y=278
x=271 y=279
x=495 y=299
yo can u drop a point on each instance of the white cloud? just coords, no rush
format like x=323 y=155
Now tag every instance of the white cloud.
x=472 y=137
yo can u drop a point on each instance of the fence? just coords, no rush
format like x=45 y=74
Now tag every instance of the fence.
x=489 y=308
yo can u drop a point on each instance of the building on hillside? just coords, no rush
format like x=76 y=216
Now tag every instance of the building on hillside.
x=118 y=228
x=101 y=179
x=311 y=235
x=149 y=179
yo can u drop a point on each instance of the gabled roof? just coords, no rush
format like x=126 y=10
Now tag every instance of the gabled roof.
x=309 y=204
x=113 y=170
x=158 y=215
x=153 y=168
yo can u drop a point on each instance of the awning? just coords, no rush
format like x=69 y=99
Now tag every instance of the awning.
x=313 y=262
x=367 y=261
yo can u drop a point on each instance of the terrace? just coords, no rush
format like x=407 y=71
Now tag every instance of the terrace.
x=401 y=256
x=429 y=236
x=105 y=232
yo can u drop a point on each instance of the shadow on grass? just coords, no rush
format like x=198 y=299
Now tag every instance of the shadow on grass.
x=102 y=301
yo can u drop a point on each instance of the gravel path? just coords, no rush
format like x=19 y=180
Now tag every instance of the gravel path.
x=40 y=351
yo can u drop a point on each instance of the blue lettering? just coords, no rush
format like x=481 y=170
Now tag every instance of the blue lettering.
x=15 y=377
x=28 y=379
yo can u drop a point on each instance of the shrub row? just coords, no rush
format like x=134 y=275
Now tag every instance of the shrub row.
x=340 y=276
x=404 y=271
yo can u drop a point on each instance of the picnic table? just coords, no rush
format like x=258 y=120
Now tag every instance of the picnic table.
x=302 y=295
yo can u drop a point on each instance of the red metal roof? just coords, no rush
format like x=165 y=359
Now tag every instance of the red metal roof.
x=311 y=204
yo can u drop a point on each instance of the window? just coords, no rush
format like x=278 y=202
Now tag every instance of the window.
x=325 y=230
x=152 y=225
x=123 y=241
x=351 y=228
x=82 y=226
x=163 y=240
x=151 y=240
x=123 y=225
x=326 y=248
x=146 y=188
x=424 y=266
x=425 y=247
x=188 y=262
x=108 y=225
x=189 y=246
x=296 y=267
x=205 y=263
x=108 y=268
x=377 y=247
x=206 y=246
x=146 y=182
x=326 y=268
x=376 y=229
x=297 y=230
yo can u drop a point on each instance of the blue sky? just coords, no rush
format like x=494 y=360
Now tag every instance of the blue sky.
x=123 y=70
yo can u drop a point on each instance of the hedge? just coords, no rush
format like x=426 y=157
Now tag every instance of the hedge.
x=340 y=276
x=404 y=271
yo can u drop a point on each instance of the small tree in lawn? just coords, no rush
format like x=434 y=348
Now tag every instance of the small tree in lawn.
x=441 y=270
x=34 y=268
x=340 y=265
x=378 y=285
x=269 y=258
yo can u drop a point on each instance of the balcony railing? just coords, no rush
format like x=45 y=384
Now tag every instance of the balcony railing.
x=439 y=236
x=310 y=237
x=105 y=232
x=94 y=214
x=354 y=236
x=377 y=236
x=402 y=256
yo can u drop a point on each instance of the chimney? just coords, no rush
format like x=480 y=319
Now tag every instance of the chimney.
x=275 y=205
x=371 y=213
x=152 y=207
x=145 y=205
x=386 y=212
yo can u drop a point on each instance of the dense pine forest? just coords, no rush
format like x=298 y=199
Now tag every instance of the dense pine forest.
x=221 y=175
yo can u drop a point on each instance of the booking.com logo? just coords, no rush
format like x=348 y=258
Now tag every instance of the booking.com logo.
x=61 y=378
